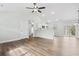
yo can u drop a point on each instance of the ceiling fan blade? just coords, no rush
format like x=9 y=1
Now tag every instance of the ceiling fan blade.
x=29 y=8
x=41 y=8
x=32 y=11
x=39 y=11
x=34 y=4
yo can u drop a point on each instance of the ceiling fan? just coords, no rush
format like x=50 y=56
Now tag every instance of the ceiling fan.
x=36 y=8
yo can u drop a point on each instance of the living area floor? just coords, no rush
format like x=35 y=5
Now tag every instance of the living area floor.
x=58 y=46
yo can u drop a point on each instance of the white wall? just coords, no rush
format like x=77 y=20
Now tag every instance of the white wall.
x=46 y=33
x=13 y=26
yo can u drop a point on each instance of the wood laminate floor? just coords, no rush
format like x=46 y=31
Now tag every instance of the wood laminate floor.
x=59 y=46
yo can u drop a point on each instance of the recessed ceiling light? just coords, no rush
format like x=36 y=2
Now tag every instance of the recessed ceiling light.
x=57 y=19
x=76 y=9
x=53 y=13
x=43 y=14
x=48 y=21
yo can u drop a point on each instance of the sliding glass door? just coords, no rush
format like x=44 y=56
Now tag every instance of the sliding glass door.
x=70 y=30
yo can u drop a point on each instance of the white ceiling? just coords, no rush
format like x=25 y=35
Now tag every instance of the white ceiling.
x=54 y=11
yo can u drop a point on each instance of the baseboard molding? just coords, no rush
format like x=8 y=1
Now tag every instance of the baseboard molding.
x=43 y=38
x=13 y=40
